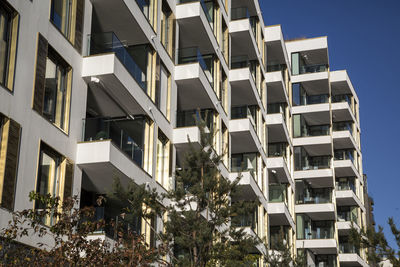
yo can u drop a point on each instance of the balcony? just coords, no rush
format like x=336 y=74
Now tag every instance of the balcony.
x=195 y=80
x=315 y=202
x=276 y=85
x=278 y=211
x=308 y=55
x=347 y=217
x=343 y=136
x=245 y=166
x=342 y=108
x=344 y=164
x=318 y=236
x=243 y=80
x=243 y=129
x=248 y=189
x=187 y=134
x=134 y=14
x=348 y=198
x=277 y=163
x=242 y=29
x=121 y=71
x=351 y=259
x=276 y=123
x=196 y=25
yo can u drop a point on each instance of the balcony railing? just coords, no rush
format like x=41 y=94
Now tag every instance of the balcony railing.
x=326 y=232
x=343 y=126
x=344 y=155
x=277 y=150
x=345 y=184
x=315 y=130
x=116 y=225
x=348 y=248
x=207 y=6
x=277 y=193
x=192 y=55
x=313 y=68
x=305 y=99
x=342 y=98
x=347 y=216
x=190 y=118
x=239 y=13
x=314 y=196
x=244 y=112
x=113 y=129
x=314 y=163
x=100 y=43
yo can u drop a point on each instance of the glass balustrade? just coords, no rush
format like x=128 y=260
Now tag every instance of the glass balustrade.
x=244 y=112
x=342 y=98
x=309 y=229
x=307 y=195
x=344 y=154
x=130 y=56
x=278 y=193
x=343 y=126
x=190 y=118
x=244 y=162
x=277 y=150
x=345 y=184
x=239 y=13
x=347 y=214
x=126 y=134
x=348 y=248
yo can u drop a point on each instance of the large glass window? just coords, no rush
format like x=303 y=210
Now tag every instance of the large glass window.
x=61 y=15
x=56 y=92
x=5 y=28
x=8 y=43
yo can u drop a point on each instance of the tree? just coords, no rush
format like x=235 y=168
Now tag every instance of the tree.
x=280 y=254
x=378 y=249
x=68 y=242
x=198 y=231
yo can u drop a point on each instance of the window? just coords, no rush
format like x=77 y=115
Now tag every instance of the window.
x=9 y=150
x=162 y=92
x=168 y=29
x=8 y=44
x=61 y=15
x=55 y=94
x=163 y=160
x=54 y=177
x=67 y=16
x=52 y=95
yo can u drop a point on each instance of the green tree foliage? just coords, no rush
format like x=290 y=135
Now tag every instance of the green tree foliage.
x=280 y=254
x=65 y=241
x=378 y=248
x=198 y=231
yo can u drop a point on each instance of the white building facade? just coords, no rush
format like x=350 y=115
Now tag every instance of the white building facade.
x=92 y=90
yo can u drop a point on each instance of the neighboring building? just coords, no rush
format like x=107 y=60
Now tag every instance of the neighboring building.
x=93 y=90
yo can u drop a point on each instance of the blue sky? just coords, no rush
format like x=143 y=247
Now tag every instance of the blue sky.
x=364 y=38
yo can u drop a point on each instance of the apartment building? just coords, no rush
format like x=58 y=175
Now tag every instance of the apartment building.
x=98 y=89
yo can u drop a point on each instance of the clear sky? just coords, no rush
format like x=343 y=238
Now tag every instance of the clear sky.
x=364 y=39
